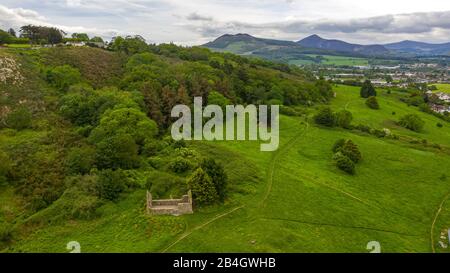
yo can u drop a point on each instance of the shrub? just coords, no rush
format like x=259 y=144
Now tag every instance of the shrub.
x=217 y=174
x=338 y=145
x=179 y=144
x=117 y=151
x=129 y=121
x=19 y=119
x=152 y=147
x=344 y=119
x=350 y=149
x=363 y=128
x=439 y=125
x=83 y=105
x=367 y=90
x=5 y=166
x=5 y=233
x=79 y=201
x=202 y=187
x=180 y=165
x=111 y=184
x=344 y=163
x=325 y=117
x=412 y=122
x=216 y=98
x=80 y=160
x=63 y=76
x=378 y=133
x=415 y=100
x=347 y=148
x=372 y=103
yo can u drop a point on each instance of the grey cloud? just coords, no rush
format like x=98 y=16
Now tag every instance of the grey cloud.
x=197 y=17
x=413 y=24
x=400 y=23
x=16 y=18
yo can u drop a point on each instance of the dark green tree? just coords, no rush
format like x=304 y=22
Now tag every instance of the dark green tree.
x=12 y=32
x=344 y=163
x=202 y=187
x=40 y=34
x=130 y=121
x=80 y=37
x=367 y=90
x=338 y=145
x=217 y=174
x=111 y=184
x=325 y=117
x=80 y=160
x=344 y=119
x=96 y=39
x=372 y=103
x=117 y=151
x=412 y=122
x=5 y=37
x=351 y=150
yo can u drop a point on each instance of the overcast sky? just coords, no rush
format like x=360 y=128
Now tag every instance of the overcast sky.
x=192 y=22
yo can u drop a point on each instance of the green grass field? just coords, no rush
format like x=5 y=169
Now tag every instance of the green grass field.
x=18 y=45
x=343 y=61
x=291 y=200
x=301 y=62
x=333 y=60
x=443 y=87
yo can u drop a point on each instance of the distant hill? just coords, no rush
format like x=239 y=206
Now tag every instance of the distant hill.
x=245 y=44
x=315 y=41
x=308 y=49
x=420 y=48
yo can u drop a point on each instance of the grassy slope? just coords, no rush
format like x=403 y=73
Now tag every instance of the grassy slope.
x=307 y=206
x=348 y=98
x=292 y=200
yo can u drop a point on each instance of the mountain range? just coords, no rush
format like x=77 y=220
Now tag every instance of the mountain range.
x=315 y=41
x=246 y=44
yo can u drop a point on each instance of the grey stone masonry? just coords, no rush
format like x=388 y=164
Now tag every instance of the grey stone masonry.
x=170 y=206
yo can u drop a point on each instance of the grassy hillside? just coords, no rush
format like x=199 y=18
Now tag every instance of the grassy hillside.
x=290 y=200
x=443 y=87
x=393 y=199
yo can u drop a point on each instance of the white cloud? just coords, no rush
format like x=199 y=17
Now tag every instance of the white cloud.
x=194 y=22
x=17 y=17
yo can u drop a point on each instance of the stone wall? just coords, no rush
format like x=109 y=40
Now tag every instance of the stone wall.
x=170 y=206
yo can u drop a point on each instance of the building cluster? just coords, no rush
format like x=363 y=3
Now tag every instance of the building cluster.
x=443 y=100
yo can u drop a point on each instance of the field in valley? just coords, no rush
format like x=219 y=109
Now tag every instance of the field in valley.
x=443 y=87
x=333 y=60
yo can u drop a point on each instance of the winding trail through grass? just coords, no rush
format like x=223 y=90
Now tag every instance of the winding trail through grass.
x=186 y=234
x=274 y=160
x=434 y=221
x=266 y=195
x=341 y=226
